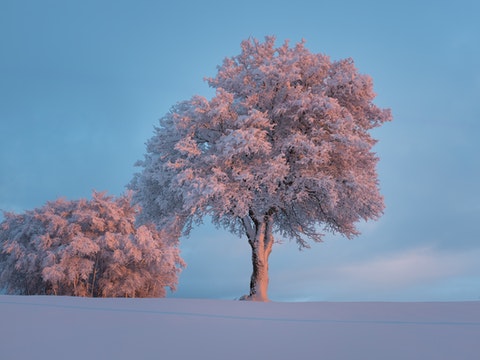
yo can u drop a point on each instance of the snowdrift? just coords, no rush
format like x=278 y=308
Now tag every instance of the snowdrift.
x=41 y=327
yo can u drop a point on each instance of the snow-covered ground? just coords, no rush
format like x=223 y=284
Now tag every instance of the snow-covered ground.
x=40 y=327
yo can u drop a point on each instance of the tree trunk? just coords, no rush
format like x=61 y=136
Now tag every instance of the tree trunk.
x=260 y=238
x=93 y=292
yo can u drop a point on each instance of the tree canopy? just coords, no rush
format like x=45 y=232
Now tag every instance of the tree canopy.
x=283 y=147
x=86 y=248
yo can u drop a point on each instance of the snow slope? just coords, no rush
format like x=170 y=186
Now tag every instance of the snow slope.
x=40 y=327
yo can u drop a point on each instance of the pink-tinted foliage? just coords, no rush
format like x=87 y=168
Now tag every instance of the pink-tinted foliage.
x=283 y=146
x=86 y=248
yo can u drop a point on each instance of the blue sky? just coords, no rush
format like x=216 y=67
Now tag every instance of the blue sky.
x=84 y=82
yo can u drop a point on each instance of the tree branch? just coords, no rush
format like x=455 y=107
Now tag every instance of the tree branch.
x=249 y=230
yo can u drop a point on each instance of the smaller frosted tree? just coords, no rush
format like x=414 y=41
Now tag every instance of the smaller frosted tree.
x=284 y=146
x=86 y=248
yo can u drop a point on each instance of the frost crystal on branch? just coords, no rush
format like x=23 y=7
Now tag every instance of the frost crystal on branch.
x=283 y=146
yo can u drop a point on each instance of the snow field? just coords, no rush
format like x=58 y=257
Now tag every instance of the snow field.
x=41 y=327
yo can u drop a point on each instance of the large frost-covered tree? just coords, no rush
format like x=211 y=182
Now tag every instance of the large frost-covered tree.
x=283 y=147
x=86 y=248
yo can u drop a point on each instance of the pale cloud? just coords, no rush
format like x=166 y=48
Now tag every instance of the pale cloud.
x=414 y=274
x=409 y=268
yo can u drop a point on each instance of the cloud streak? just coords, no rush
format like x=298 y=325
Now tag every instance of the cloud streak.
x=411 y=274
x=408 y=268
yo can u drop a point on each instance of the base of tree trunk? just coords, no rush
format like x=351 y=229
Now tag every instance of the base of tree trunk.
x=254 y=297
